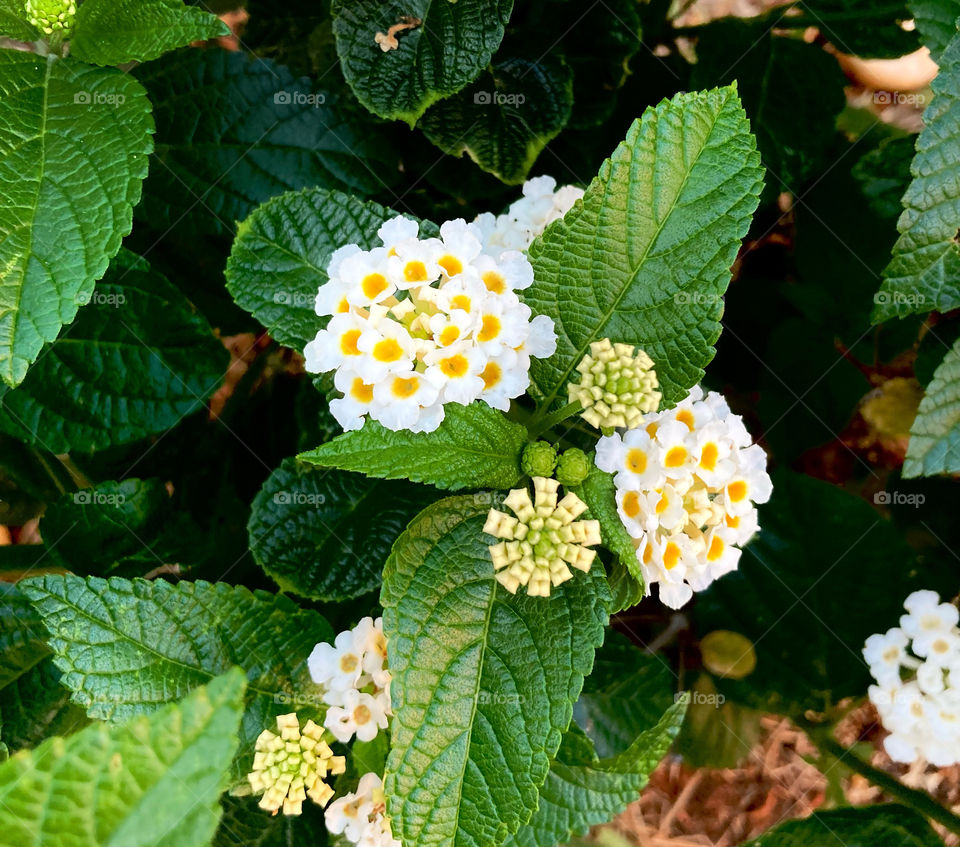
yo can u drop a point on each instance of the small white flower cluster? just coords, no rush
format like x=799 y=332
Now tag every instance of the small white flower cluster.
x=355 y=680
x=542 y=203
x=417 y=323
x=360 y=816
x=687 y=480
x=917 y=693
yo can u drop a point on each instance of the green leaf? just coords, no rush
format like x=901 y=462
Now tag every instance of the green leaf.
x=35 y=706
x=475 y=447
x=22 y=635
x=646 y=256
x=884 y=174
x=872 y=826
x=13 y=23
x=126 y=648
x=113 y=32
x=280 y=255
x=936 y=22
x=234 y=131
x=582 y=791
x=245 y=824
x=71 y=166
x=483 y=681
x=791 y=597
x=505 y=118
x=792 y=93
x=935 y=435
x=325 y=534
x=626 y=580
x=137 y=359
x=445 y=51
x=113 y=523
x=924 y=272
x=869 y=28
x=154 y=781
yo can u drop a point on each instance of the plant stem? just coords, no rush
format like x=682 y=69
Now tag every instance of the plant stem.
x=537 y=428
x=919 y=800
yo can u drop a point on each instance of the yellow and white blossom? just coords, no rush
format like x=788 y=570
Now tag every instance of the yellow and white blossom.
x=293 y=765
x=688 y=481
x=417 y=323
x=542 y=539
x=360 y=816
x=617 y=386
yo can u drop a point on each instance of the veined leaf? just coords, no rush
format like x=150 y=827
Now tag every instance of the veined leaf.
x=936 y=22
x=35 y=706
x=22 y=635
x=924 y=273
x=233 y=131
x=113 y=32
x=137 y=359
x=475 y=447
x=582 y=791
x=935 y=435
x=505 y=118
x=483 y=681
x=325 y=534
x=280 y=256
x=444 y=48
x=645 y=258
x=156 y=780
x=13 y=22
x=73 y=152
x=871 y=826
x=126 y=648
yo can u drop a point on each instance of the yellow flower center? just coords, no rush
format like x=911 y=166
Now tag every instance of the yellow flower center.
x=631 y=504
x=387 y=350
x=494 y=282
x=404 y=388
x=671 y=555
x=415 y=271
x=490 y=328
x=733 y=521
x=373 y=285
x=361 y=715
x=716 y=549
x=451 y=265
x=737 y=490
x=686 y=416
x=348 y=663
x=708 y=456
x=461 y=301
x=491 y=375
x=448 y=335
x=348 y=342
x=455 y=366
x=343 y=306
x=675 y=458
x=359 y=390
x=636 y=460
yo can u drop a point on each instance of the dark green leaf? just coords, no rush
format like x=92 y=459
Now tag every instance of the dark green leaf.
x=936 y=22
x=35 y=706
x=873 y=826
x=884 y=174
x=22 y=635
x=863 y=27
x=13 y=22
x=934 y=446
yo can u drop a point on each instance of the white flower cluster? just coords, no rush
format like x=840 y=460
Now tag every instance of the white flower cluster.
x=687 y=480
x=355 y=680
x=542 y=203
x=917 y=693
x=360 y=816
x=417 y=323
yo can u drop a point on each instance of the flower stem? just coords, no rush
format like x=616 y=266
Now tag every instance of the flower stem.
x=916 y=799
x=539 y=425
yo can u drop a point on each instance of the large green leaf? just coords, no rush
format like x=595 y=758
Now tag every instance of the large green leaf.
x=924 y=273
x=626 y=579
x=483 y=681
x=792 y=93
x=818 y=547
x=871 y=826
x=475 y=447
x=505 y=118
x=582 y=791
x=137 y=360
x=127 y=647
x=73 y=151
x=13 y=22
x=233 y=131
x=113 y=523
x=936 y=22
x=22 y=635
x=935 y=435
x=325 y=534
x=280 y=255
x=113 y=32
x=447 y=49
x=646 y=257
x=154 y=781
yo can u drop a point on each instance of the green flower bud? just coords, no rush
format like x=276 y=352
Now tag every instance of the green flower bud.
x=573 y=467
x=539 y=459
x=50 y=16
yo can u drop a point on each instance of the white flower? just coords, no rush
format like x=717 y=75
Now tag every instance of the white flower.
x=402 y=398
x=361 y=815
x=686 y=492
x=336 y=345
x=387 y=348
x=360 y=714
x=503 y=379
x=884 y=653
x=456 y=370
x=350 y=410
x=338 y=667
